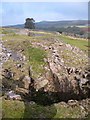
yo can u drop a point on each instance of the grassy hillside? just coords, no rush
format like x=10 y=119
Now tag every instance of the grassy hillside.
x=82 y=44
x=36 y=48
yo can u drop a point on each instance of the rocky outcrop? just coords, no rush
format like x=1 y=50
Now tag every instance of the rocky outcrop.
x=62 y=78
x=72 y=81
x=40 y=83
x=65 y=79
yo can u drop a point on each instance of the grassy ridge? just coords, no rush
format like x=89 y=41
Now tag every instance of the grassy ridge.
x=35 y=55
x=18 y=109
x=36 y=60
x=82 y=44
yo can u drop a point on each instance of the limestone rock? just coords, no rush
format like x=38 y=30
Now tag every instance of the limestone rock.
x=26 y=82
x=41 y=83
x=72 y=103
x=12 y=95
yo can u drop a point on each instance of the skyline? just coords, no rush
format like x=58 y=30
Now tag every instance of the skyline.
x=16 y=13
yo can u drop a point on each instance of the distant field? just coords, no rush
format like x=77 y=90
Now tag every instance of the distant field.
x=85 y=28
x=82 y=26
x=82 y=44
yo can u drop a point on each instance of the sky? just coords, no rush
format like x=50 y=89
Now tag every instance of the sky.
x=16 y=12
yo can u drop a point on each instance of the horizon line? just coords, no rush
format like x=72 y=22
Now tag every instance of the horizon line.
x=45 y=21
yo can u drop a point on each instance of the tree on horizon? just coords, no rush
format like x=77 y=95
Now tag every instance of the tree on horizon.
x=30 y=23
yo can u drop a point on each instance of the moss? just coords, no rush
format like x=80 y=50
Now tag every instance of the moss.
x=12 y=109
x=18 y=109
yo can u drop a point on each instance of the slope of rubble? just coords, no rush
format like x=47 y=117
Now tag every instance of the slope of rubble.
x=39 y=67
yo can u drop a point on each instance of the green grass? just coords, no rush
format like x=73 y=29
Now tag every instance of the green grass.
x=12 y=109
x=1 y=30
x=19 y=109
x=17 y=42
x=36 y=59
x=82 y=44
x=64 y=112
x=36 y=54
x=8 y=31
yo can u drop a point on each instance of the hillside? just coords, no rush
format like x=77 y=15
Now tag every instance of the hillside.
x=58 y=24
x=44 y=75
x=53 y=25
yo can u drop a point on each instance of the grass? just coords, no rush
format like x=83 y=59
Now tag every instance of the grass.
x=41 y=32
x=0 y=107
x=16 y=42
x=36 y=54
x=19 y=109
x=73 y=61
x=64 y=112
x=8 y=31
x=1 y=30
x=12 y=109
x=36 y=59
x=82 y=44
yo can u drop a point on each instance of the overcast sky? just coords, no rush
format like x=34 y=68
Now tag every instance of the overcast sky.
x=17 y=12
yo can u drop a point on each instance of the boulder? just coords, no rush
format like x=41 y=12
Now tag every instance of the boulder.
x=82 y=82
x=41 y=83
x=53 y=67
x=12 y=95
x=26 y=82
x=73 y=103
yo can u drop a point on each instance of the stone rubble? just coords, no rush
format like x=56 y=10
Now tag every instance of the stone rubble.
x=73 y=82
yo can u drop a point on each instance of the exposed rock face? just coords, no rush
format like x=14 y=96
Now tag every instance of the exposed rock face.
x=66 y=79
x=59 y=76
x=72 y=83
x=40 y=83
x=26 y=81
